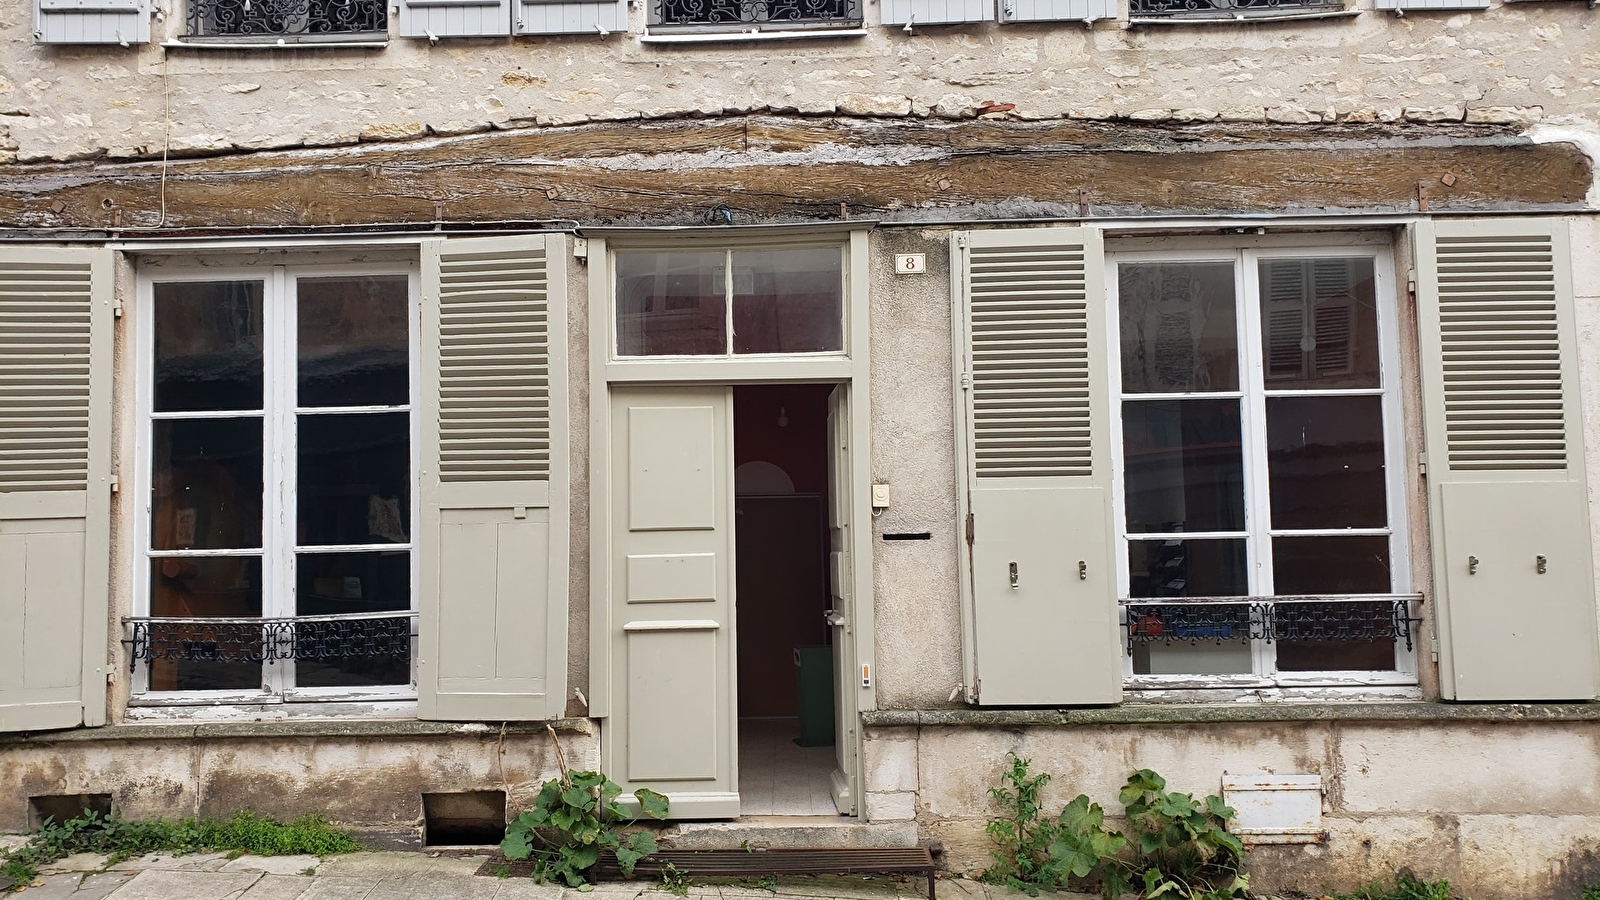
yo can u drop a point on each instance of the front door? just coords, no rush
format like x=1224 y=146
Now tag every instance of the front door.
x=673 y=712
x=841 y=589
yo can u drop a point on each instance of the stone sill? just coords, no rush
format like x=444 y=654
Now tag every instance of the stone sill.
x=1206 y=714
x=360 y=728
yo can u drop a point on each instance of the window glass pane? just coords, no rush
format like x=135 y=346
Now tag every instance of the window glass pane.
x=1319 y=323
x=206 y=484
x=355 y=479
x=1335 y=637
x=1188 y=568
x=354 y=338
x=671 y=303
x=1325 y=464
x=788 y=301
x=208 y=346
x=205 y=587
x=361 y=652
x=1178 y=327
x=1357 y=564
x=1184 y=469
x=1204 y=639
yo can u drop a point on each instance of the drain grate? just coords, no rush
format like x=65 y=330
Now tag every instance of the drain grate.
x=757 y=862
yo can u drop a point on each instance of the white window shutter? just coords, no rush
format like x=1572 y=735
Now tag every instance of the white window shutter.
x=1031 y=346
x=455 y=18
x=570 y=16
x=55 y=490
x=1513 y=577
x=495 y=480
x=124 y=22
x=1425 y=5
x=1057 y=10
x=936 y=12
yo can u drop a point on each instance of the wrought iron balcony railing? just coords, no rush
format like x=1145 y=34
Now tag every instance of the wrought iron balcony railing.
x=1224 y=620
x=1226 y=9
x=268 y=640
x=733 y=14
x=296 y=20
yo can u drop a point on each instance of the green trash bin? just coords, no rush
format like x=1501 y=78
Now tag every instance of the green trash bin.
x=813 y=677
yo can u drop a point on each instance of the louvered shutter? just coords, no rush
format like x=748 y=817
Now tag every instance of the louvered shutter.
x=55 y=469
x=455 y=18
x=1512 y=558
x=1031 y=349
x=124 y=22
x=495 y=480
x=570 y=16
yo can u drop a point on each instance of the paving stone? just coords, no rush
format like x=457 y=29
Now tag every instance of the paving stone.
x=273 y=865
x=278 y=887
x=54 y=887
x=324 y=887
x=191 y=862
x=176 y=884
x=433 y=885
x=10 y=842
x=77 y=862
x=386 y=865
x=101 y=884
x=525 y=889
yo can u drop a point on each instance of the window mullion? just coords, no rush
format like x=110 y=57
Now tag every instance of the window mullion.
x=1258 y=505
x=727 y=304
x=277 y=531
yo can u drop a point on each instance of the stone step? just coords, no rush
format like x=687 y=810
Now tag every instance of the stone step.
x=788 y=832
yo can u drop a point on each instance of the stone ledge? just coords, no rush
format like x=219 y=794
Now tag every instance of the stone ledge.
x=1192 y=714
x=355 y=728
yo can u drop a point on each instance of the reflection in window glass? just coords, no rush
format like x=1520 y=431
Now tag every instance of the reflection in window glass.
x=208 y=345
x=333 y=583
x=355 y=479
x=1184 y=466
x=206 y=587
x=1187 y=568
x=788 y=301
x=671 y=303
x=1325 y=464
x=206 y=484
x=1319 y=323
x=1178 y=327
x=353 y=341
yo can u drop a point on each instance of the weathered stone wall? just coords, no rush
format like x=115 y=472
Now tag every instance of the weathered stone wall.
x=1502 y=808
x=1513 y=63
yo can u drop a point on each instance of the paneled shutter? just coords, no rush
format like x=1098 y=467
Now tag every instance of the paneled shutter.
x=123 y=22
x=1057 y=10
x=495 y=480
x=454 y=18
x=1425 y=5
x=1512 y=559
x=936 y=12
x=570 y=16
x=55 y=470
x=1031 y=350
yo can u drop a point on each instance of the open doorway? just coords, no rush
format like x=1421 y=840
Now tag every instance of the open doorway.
x=785 y=664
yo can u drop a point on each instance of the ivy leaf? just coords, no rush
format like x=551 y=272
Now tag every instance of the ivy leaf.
x=651 y=803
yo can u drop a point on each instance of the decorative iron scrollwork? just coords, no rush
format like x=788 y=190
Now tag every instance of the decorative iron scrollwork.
x=1227 y=8
x=783 y=13
x=1175 y=622
x=287 y=18
x=261 y=640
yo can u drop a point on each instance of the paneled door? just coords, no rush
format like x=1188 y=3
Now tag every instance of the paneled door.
x=841 y=617
x=673 y=719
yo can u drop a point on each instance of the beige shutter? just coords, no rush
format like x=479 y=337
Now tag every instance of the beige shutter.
x=1513 y=576
x=1031 y=351
x=494 y=480
x=55 y=470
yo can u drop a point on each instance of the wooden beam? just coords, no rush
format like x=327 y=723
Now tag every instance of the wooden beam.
x=768 y=168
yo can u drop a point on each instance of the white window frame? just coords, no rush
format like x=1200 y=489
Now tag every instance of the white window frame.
x=1244 y=255
x=279 y=360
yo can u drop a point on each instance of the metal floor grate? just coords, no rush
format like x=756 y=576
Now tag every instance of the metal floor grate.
x=756 y=862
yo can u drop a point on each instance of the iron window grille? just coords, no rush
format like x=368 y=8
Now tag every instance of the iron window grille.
x=741 y=15
x=289 y=20
x=269 y=640
x=1226 y=9
x=1223 y=620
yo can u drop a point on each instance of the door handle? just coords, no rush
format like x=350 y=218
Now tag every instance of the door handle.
x=833 y=617
x=1013 y=576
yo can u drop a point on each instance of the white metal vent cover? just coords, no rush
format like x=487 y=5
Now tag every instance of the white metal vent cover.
x=1275 y=809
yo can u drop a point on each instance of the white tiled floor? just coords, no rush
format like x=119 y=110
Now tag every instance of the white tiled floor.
x=778 y=777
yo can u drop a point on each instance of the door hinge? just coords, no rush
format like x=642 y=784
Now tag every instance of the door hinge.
x=971 y=529
x=961 y=239
x=977 y=687
x=116 y=482
x=1433 y=648
x=116 y=309
x=1422 y=464
x=966 y=381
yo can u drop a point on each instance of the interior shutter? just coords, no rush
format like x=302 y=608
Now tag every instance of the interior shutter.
x=454 y=18
x=1513 y=576
x=124 y=22
x=495 y=480
x=1031 y=346
x=570 y=16
x=55 y=469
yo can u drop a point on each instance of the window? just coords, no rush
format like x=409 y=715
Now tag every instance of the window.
x=1259 y=458
x=1227 y=9
x=675 y=303
x=299 y=20
x=745 y=15
x=279 y=449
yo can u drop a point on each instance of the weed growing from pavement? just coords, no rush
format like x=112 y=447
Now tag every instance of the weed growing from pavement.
x=120 y=839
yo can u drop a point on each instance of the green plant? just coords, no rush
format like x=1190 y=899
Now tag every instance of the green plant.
x=1022 y=835
x=673 y=881
x=1181 y=845
x=574 y=818
x=1407 y=886
x=1592 y=892
x=120 y=838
